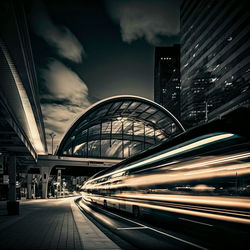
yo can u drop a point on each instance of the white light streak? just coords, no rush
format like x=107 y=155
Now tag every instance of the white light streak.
x=224 y=159
x=171 y=153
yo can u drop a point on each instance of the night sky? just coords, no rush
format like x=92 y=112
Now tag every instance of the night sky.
x=85 y=51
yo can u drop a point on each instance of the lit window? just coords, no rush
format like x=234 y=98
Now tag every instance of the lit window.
x=216 y=67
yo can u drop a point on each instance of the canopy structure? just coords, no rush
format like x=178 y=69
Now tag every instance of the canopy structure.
x=119 y=127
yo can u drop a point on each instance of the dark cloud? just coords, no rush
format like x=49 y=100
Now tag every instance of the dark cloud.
x=144 y=18
x=64 y=84
x=66 y=98
x=59 y=37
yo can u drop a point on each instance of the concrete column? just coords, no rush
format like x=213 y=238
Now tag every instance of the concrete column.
x=29 y=186
x=34 y=189
x=12 y=177
x=45 y=172
x=12 y=204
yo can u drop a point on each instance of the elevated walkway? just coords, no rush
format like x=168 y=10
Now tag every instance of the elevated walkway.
x=50 y=224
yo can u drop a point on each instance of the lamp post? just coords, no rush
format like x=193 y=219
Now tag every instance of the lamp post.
x=52 y=135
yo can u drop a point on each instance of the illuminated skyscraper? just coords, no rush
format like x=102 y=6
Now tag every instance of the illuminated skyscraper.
x=215 y=62
x=167 y=78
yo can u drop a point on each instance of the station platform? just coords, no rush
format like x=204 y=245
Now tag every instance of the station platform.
x=50 y=224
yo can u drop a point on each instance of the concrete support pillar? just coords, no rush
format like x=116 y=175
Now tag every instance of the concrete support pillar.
x=29 y=186
x=12 y=204
x=45 y=172
x=34 y=189
x=12 y=177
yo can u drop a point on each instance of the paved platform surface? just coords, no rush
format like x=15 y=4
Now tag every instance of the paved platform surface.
x=50 y=224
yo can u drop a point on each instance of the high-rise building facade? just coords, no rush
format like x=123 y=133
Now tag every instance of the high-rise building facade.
x=167 y=78
x=215 y=64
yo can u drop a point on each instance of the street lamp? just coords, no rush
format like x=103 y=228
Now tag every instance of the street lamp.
x=52 y=135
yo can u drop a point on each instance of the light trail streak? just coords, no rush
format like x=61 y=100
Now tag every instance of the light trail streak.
x=158 y=231
x=97 y=215
x=200 y=200
x=169 y=153
x=190 y=212
x=194 y=221
x=224 y=159
x=165 y=178
x=130 y=228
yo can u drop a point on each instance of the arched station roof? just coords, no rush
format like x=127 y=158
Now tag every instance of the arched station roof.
x=119 y=127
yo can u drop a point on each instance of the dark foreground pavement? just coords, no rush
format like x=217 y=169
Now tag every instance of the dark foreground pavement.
x=51 y=224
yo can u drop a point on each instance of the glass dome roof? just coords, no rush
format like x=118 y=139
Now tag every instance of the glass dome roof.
x=119 y=127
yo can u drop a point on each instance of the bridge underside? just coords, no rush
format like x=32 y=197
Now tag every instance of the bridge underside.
x=76 y=170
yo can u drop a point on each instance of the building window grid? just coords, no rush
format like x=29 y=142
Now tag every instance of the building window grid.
x=214 y=44
x=216 y=23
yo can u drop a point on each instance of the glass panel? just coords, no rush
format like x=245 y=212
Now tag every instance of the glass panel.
x=135 y=147
x=77 y=147
x=127 y=128
x=133 y=106
x=116 y=127
x=174 y=128
x=164 y=122
x=160 y=137
x=151 y=110
x=170 y=128
x=124 y=105
x=115 y=151
x=156 y=117
x=85 y=150
x=106 y=127
x=126 y=145
x=144 y=115
x=95 y=130
x=94 y=148
x=81 y=150
x=114 y=107
x=147 y=113
x=102 y=111
x=106 y=146
x=82 y=124
x=157 y=132
x=149 y=131
x=138 y=128
x=92 y=116
x=142 y=108
x=84 y=132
